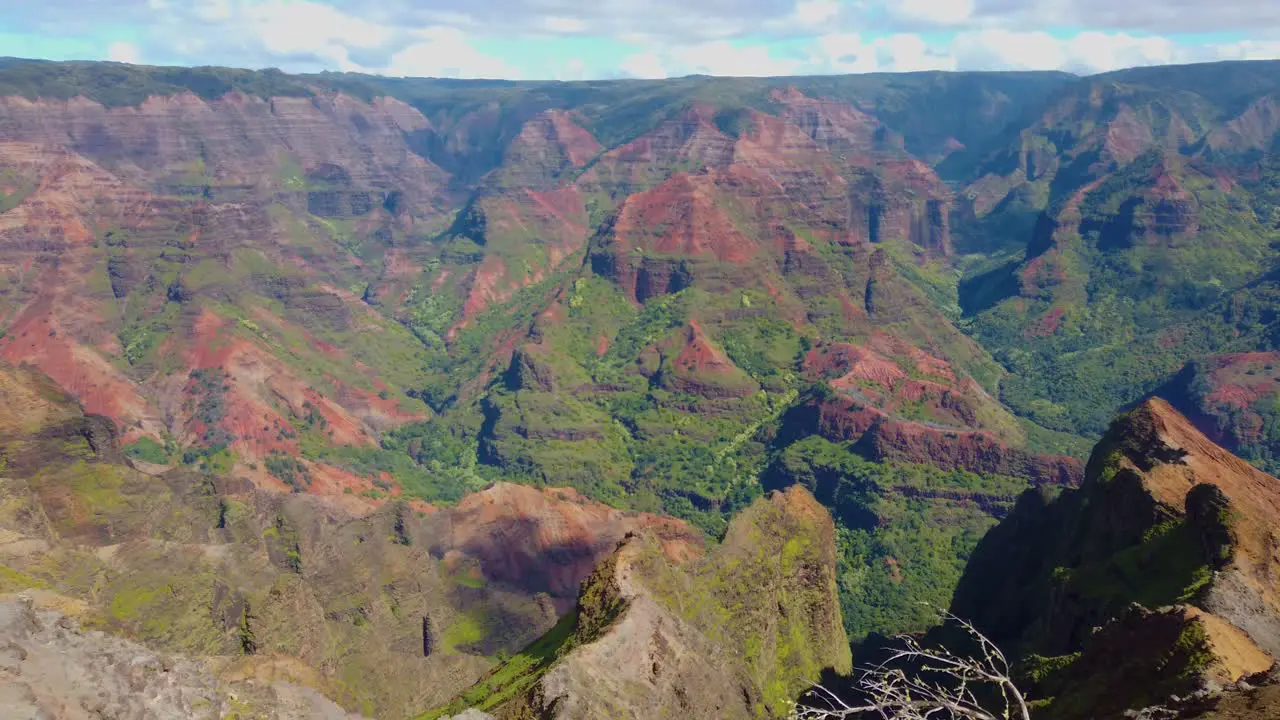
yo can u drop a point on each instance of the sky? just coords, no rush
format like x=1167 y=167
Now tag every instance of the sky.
x=592 y=39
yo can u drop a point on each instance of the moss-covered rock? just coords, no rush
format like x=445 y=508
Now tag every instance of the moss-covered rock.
x=736 y=634
x=1164 y=518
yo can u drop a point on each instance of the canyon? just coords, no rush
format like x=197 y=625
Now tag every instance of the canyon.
x=406 y=362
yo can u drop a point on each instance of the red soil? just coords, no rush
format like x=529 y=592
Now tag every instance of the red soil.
x=557 y=218
x=688 y=222
x=1127 y=137
x=700 y=355
x=35 y=338
x=579 y=145
x=1233 y=386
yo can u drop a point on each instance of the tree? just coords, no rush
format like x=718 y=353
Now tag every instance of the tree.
x=919 y=683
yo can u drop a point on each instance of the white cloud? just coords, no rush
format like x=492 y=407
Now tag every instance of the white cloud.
x=575 y=69
x=850 y=53
x=1001 y=49
x=643 y=65
x=444 y=52
x=933 y=12
x=231 y=35
x=1100 y=51
x=845 y=53
x=723 y=58
x=716 y=57
x=1249 y=50
x=670 y=37
x=910 y=53
x=561 y=24
x=990 y=49
x=1085 y=52
x=124 y=52
x=304 y=35
x=308 y=28
x=816 y=13
x=210 y=10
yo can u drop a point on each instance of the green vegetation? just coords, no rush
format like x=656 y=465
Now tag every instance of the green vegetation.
x=467 y=629
x=14 y=187
x=16 y=581
x=1172 y=546
x=905 y=532
x=515 y=676
x=284 y=545
x=1167 y=264
x=288 y=469
x=115 y=84
x=148 y=450
x=1173 y=257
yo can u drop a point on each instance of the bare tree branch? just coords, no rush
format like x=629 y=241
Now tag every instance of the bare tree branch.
x=918 y=683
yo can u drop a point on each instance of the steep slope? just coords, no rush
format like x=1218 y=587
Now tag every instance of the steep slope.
x=1164 y=518
x=383 y=612
x=1234 y=399
x=252 y=271
x=54 y=668
x=733 y=253
x=1137 y=210
x=170 y=315
x=382 y=291
x=733 y=635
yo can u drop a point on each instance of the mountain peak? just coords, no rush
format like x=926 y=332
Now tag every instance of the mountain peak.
x=1164 y=517
x=736 y=634
x=1172 y=456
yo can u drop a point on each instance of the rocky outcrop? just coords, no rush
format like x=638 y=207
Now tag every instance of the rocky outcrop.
x=545 y=540
x=691 y=363
x=1127 y=663
x=838 y=127
x=694 y=661
x=546 y=152
x=736 y=634
x=408 y=599
x=690 y=140
x=670 y=236
x=1253 y=129
x=50 y=667
x=881 y=436
x=1164 y=517
x=527 y=234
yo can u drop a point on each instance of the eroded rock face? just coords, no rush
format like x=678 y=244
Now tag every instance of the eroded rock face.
x=885 y=437
x=235 y=140
x=548 y=148
x=1127 y=661
x=734 y=635
x=409 y=599
x=1164 y=516
x=52 y=668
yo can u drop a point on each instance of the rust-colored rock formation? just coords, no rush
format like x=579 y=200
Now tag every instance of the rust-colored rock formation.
x=236 y=141
x=884 y=437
